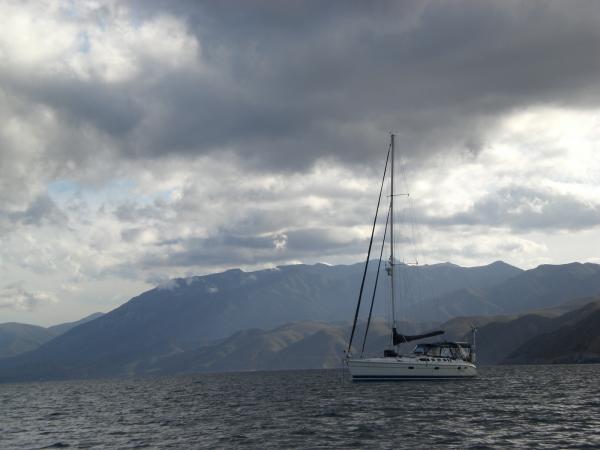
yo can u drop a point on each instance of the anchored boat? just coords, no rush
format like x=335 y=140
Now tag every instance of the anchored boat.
x=431 y=360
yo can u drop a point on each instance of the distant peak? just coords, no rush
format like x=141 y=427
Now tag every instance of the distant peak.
x=500 y=263
x=554 y=266
x=290 y=266
x=442 y=264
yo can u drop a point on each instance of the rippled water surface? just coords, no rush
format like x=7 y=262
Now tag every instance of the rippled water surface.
x=538 y=406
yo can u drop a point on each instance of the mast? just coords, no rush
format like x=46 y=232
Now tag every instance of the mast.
x=362 y=284
x=393 y=299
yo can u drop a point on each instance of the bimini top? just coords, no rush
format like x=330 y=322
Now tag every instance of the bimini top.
x=446 y=349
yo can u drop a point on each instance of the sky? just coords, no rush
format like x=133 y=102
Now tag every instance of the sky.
x=145 y=140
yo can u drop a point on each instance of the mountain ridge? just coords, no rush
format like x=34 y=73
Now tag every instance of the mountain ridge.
x=542 y=287
x=184 y=314
x=187 y=321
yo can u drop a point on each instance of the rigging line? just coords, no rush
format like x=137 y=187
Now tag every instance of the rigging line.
x=416 y=238
x=414 y=290
x=362 y=284
x=376 y=280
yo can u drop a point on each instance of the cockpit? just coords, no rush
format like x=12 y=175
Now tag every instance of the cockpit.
x=452 y=350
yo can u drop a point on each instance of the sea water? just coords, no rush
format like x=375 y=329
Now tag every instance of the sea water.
x=506 y=406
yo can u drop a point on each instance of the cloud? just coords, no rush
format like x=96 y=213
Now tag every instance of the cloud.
x=15 y=296
x=232 y=215
x=278 y=88
x=305 y=82
x=254 y=250
x=168 y=285
x=285 y=87
x=41 y=211
x=472 y=247
x=525 y=209
x=147 y=139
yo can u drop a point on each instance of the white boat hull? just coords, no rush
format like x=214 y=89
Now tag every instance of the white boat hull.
x=409 y=368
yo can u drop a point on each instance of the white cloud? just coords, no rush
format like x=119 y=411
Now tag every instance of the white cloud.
x=168 y=285
x=89 y=40
x=15 y=296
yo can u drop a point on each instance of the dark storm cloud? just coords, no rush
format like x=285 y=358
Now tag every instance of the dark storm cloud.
x=526 y=209
x=112 y=109
x=284 y=84
x=41 y=211
x=214 y=251
x=307 y=80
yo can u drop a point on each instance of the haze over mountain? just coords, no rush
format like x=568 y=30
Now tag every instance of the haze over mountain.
x=543 y=287
x=16 y=338
x=499 y=338
x=567 y=334
x=303 y=345
x=572 y=338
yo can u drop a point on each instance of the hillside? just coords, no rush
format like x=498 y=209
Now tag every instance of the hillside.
x=567 y=333
x=545 y=286
x=304 y=345
x=17 y=338
x=507 y=339
x=64 y=327
x=575 y=341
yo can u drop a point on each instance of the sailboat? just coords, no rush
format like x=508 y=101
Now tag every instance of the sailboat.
x=428 y=360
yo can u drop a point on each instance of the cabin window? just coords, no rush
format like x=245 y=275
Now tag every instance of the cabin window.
x=446 y=353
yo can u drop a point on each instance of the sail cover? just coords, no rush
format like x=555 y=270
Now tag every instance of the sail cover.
x=402 y=338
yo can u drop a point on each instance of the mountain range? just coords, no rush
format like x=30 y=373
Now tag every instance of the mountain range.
x=296 y=317
x=501 y=339
x=544 y=336
x=543 y=287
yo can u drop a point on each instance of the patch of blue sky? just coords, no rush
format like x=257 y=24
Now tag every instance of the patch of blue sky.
x=62 y=189
x=83 y=42
x=165 y=195
x=160 y=197
x=115 y=192
x=68 y=9
x=118 y=190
